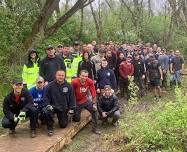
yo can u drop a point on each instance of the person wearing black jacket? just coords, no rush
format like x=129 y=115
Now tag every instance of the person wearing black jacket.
x=111 y=58
x=87 y=64
x=18 y=105
x=60 y=95
x=50 y=65
x=120 y=59
x=139 y=73
x=108 y=106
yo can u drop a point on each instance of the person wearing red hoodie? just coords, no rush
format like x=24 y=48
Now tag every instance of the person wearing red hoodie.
x=126 y=69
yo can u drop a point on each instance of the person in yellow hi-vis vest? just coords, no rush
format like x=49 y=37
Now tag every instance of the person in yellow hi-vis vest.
x=31 y=68
x=66 y=56
x=76 y=58
x=69 y=69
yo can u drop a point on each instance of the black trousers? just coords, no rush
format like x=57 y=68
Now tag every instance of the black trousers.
x=46 y=117
x=62 y=118
x=31 y=113
x=140 y=83
x=88 y=106
x=123 y=85
x=164 y=81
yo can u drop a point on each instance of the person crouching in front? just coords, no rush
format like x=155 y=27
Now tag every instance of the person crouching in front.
x=108 y=106
x=18 y=105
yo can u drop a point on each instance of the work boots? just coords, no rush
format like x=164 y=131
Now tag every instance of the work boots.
x=95 y=131
x=33 y=133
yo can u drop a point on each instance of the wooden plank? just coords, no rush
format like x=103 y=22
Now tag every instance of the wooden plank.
x=21 y=141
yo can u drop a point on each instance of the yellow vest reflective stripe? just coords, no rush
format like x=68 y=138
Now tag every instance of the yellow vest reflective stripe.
x=30 y=75
x=69 y=69
x=75 y=63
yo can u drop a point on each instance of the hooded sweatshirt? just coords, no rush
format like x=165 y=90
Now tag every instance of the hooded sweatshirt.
x=31 y=70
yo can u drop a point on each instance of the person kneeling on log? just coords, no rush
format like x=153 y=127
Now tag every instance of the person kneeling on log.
x=43 y=110
x=18 y=105
x=108 y=106
x=60 y=95
x=85 y=94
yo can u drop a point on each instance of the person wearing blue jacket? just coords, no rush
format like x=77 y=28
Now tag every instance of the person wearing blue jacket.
x=105 y=76
x=44 y=110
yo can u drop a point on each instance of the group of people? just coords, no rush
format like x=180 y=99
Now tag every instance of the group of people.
x=72 y=78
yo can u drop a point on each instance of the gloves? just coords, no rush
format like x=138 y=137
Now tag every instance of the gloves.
x=49 y=108
x=22 y=116
x=71 y=112
x=36 y=104
x=16 y=119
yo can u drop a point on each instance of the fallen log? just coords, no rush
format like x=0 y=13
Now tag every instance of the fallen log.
x=21 y=141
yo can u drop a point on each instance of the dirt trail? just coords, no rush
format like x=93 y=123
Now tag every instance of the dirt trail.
x=86 y=141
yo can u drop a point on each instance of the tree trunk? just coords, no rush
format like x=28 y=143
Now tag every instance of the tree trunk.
x=95 y=20
x=98 y=22
x=81 y=24
x=41 y=22
x=150 y=8
x=40 y=26
x=66 y=5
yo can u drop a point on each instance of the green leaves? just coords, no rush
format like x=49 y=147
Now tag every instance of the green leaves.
x=165 y=127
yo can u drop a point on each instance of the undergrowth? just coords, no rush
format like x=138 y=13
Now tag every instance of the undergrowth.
x=162 y=128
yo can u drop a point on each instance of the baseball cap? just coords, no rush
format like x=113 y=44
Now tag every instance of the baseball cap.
x=50 y=47
x=76 y=43
x=60 y=46
x=17 y=81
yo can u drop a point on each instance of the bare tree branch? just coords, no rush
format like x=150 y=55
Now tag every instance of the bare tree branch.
x=54 y=28
x=40 y=25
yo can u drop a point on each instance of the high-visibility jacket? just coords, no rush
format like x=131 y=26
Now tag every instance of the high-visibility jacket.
x=76 y=59
x=30 y=74
x=69 y=69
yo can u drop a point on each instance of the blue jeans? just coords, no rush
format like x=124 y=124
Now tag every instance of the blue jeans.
x=176 y=76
